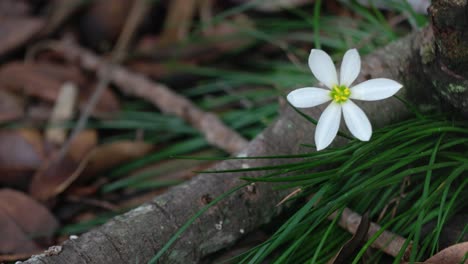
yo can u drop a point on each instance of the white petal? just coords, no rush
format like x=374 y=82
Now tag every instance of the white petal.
x=323 y=68
x=375 y=89
x=357 y=121
x=350 y=67
x=327 y=126
x=308 y=97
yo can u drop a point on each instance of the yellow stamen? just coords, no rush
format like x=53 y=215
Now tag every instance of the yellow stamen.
x=340 y=93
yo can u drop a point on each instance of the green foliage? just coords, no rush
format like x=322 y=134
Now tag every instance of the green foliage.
x=428 y=153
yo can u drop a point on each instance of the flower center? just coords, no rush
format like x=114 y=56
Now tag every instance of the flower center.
x=340 y=93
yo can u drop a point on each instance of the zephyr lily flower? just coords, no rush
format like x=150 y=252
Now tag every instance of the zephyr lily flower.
x=340 y=94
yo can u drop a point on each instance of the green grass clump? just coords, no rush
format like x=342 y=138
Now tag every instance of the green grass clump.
x=421 y=163
x=408 y=175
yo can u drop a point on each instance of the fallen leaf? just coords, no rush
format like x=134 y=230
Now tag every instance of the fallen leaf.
x=25 y=78
x=11 y=106
x=108 y=103
x=54 y=176
x=81 y=163
x=23 y=223
x=50 y=179
x=451 y=255
x=13 y=240
x=44 y=80
x=83 y=143
x=16 y=31
x=21 y=153
x=109 y=155
x=62 y=73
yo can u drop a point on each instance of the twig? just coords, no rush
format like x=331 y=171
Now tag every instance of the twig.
x=287 y=197
x=161 y=96
x=388 y=242
x=138 y=13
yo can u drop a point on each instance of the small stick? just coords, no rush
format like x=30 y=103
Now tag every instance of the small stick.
x=388 y=242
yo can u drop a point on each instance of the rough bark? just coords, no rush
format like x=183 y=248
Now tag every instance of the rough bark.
x=140 y=233
x=446 y=58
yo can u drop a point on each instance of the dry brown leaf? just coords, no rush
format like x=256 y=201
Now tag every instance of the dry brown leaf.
x=44 y=80
x=54 y=177
x=50 y=179
x=13 y=239
x=83 y=161
x=25 y=78
x=108 y=102
x=451 y=255
x=21 y=153
x=11 y=106
x=21 y=149
x=112 y=154
x=15 y=32
x=107 y=156
x=62 y=73
x=83 y=143
x=22 y=222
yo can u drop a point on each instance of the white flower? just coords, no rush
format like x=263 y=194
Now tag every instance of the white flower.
x=340 y=94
